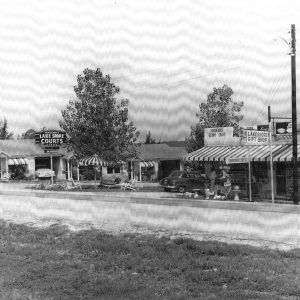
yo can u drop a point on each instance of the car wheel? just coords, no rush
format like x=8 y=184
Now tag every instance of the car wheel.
x=181 y=189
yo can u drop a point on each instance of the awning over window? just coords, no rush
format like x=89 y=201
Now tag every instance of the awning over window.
x=286 y=154
x=147 y=164
x=221 y=153
x=17 y=161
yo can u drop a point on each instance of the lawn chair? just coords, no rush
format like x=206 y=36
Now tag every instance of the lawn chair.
x=116 y=184
x=222 y=192
x=5 y=177
x=131 y=185
x=75 y=185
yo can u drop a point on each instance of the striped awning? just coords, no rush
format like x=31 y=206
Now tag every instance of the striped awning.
x=94 y=160
x=146 y=164
x=286 y=154
x=221 y=153
x=17 y=161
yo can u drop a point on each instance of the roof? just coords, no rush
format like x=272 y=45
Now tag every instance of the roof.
x=160 y=152
x=26 y=147
x=255 y=153
x=175 y=143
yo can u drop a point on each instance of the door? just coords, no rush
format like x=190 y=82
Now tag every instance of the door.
x=281 y=179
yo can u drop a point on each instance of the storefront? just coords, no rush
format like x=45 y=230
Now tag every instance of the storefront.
x=21 y=158
x=155 y=161
x=246 y=163
x=250 y=166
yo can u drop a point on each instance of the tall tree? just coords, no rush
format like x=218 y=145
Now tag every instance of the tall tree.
x=4 y=133
x=29 y=134
x=220 y=110
x=96 y=122
x=149 y=139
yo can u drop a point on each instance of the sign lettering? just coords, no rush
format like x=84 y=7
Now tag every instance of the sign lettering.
x=255 y=137
x=50 y=140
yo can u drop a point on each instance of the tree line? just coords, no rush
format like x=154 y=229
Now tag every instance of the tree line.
x=96 y=121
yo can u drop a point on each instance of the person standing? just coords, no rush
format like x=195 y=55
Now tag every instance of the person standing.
x=213 y=176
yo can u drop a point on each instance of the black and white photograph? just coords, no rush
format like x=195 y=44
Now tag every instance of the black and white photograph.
x=149 y=149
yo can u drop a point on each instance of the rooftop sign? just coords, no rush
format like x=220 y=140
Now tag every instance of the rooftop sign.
x=218 y=136
x=50 y=139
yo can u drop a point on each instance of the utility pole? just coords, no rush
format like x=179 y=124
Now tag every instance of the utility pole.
x=294 y=115
x=271 y=153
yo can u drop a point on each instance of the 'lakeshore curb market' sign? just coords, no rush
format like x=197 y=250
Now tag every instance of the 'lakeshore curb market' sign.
x=218 y=135
x=50 y=140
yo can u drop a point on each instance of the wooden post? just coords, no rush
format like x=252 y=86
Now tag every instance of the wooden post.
x=249 y=173
x=68 y=168
x=51 y=162
x=271 y=154
x=294 y=116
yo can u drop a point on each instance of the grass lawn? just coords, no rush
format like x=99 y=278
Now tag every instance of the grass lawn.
x=55 y=263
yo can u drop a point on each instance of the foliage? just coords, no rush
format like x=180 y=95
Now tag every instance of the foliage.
x=196 y=139
x=150 y=140
x=96 y=122
x=220 y=110
x=4 y=133
x=29 y=134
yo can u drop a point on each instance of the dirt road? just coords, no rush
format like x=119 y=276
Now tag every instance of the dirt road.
x=257 y=224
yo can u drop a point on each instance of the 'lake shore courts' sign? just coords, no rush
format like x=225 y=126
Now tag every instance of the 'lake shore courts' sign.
x=50 y=139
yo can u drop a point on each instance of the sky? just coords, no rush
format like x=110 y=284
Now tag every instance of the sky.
x=166 y=56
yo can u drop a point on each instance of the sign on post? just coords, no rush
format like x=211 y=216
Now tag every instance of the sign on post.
x=50 y=140
x=283 y=132
x=255 y=137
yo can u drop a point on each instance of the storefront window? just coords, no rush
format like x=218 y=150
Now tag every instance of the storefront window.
x=113 y=170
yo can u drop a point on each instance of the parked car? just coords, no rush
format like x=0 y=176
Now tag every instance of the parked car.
x=184 y=181
x=44 y=173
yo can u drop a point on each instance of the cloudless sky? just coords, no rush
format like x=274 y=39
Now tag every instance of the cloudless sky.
x=166 y=56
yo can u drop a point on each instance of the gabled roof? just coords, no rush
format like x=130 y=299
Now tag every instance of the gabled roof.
x=160 y=151
x=26 y=147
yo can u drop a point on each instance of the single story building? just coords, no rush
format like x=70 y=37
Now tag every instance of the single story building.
x=26 y=154
x=155 y=161
x=249 y=159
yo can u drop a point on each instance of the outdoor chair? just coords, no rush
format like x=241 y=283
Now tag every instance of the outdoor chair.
x=118 y=183
x=221 y=192
x=131 y=185
x=5 y=177
x=74 y=185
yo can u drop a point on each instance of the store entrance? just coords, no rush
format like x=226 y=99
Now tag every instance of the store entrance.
x=281 y=179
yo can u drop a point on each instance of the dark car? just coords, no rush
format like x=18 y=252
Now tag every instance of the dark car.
x=184 y=181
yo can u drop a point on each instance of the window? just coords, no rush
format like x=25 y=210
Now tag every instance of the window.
x=113 y=170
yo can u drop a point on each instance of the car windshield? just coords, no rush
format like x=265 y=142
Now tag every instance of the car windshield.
x=175 y=174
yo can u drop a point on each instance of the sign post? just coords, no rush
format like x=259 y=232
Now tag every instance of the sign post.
x=249 y=174
x=50 y=141
x=271 y=153
x=51 y=162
